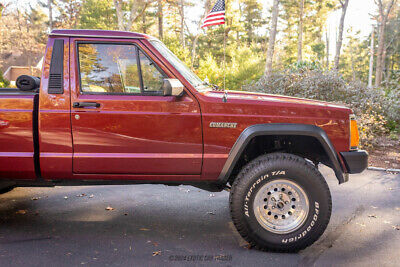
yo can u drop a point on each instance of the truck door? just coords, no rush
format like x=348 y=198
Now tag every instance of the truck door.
x=121 y=122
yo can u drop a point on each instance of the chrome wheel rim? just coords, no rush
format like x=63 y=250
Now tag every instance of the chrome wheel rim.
x=281 y=206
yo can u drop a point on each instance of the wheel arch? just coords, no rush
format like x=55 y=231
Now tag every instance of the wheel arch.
x=274 y=132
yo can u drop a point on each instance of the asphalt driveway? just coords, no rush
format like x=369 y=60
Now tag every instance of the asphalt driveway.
x=155 y=225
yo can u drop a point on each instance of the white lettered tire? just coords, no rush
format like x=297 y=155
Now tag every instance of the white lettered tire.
x=280 y=202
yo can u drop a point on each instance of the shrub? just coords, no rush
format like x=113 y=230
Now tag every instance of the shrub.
x=3 y=81
x=374 y=107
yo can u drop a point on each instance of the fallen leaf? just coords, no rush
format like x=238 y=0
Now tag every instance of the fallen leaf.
x=21 y=212
x=144 y=229
x=109 y=208
x=156 y=253
x=372 y=216
x=361 y=224
x=247 y=246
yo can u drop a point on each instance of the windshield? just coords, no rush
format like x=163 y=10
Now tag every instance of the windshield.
x=189 y=75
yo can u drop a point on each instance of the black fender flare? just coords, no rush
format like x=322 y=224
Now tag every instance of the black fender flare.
x=281 y=129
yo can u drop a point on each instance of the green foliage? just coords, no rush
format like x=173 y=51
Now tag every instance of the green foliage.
x=252 y=17
x=355 y=58
x=304 y=66
x=175 y=46
x=314 y=20
x=242 y=67
x=98 y=14
x=3 y=82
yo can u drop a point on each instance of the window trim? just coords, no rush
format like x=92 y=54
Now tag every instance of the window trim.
x=138 y=48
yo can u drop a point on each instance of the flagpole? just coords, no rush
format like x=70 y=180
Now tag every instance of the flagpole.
x=224 y=57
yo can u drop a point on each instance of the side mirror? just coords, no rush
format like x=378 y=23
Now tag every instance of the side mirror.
x=172 y=87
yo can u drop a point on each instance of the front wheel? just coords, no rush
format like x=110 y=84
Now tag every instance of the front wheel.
x=280 y=202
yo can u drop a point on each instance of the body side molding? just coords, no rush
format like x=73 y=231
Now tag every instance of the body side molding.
x=281 y=129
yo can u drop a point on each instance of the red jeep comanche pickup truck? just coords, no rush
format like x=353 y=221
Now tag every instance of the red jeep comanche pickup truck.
x=120 y=108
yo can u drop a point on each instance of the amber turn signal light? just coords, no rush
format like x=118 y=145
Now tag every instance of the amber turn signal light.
x=354 y=138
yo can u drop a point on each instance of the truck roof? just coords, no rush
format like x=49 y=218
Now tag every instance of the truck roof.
x=99 y=34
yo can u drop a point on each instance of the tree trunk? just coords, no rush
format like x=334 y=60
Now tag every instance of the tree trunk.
x=272 y=37
x=371 y=58
x=300 y=33
x=133 y=14
x=194 y=49
x=49 y=3
x=144 y=23
x=120 y=15
x=194 y=44
x=380 y=58
x=160 y=19
x=327 y=49
x=340 y=37
x=182 y=11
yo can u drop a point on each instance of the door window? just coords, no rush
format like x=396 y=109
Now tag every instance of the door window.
x=152 y=78
x=117 y=69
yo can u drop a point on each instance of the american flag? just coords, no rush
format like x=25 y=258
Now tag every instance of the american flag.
x=216 y=16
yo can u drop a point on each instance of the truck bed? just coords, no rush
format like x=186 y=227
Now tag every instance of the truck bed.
x=17 y=124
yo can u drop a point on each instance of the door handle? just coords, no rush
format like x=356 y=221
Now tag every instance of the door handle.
x=86 y=105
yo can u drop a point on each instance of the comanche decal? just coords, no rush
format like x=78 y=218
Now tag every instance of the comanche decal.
x=223 y=124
